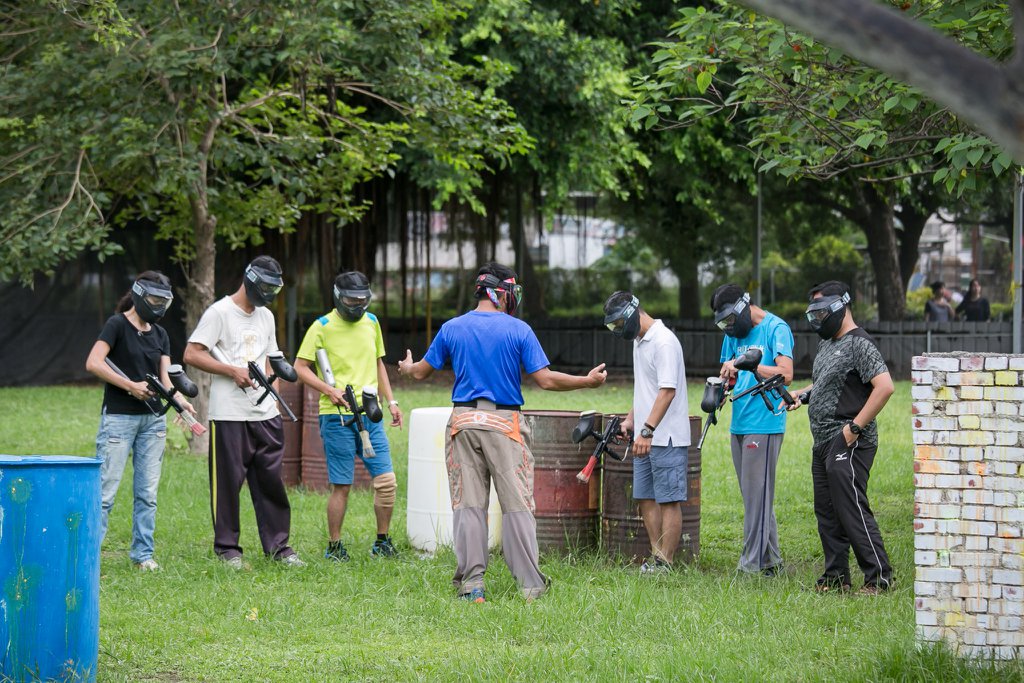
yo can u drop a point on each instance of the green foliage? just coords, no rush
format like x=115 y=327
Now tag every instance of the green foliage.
x=916 y=300
x=811 y=111
x=829 y=258
x=243 y=113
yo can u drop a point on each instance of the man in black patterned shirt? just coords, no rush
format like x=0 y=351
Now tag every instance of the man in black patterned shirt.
x=851 y=385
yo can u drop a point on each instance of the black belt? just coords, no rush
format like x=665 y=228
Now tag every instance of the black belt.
x=497 y=406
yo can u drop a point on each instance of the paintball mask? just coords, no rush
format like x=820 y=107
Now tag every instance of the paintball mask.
x=352 y=295
x=262 y=285
x=624 y=321
x=734 y=318
x=826 y=314
x=513 y=292
x=151 y=299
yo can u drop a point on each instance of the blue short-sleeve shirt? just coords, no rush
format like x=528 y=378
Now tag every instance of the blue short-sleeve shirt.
x=749 y=414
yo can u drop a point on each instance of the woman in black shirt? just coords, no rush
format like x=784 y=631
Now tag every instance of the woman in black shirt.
x=974 y=307
x=137 y=346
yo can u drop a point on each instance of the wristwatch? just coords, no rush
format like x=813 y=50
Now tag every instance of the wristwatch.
x=393 y=402
x=854 y=427
x=647 y=431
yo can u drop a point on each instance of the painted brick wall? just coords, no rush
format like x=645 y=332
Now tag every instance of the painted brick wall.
x=969 y=501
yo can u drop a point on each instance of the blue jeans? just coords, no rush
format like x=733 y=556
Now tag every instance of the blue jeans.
x=144 y=436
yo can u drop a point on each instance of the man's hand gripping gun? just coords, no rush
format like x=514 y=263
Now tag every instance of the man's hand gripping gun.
x=716 y=390
x=282 y=369
x=772 y=390
x=165 y=399
x=370 y=407
x=610 y=435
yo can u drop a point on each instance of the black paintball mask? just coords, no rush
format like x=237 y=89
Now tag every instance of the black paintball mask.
x=262 y=285
x=151 y=299
x=826 y=314
x=352 y=296
x=624 y=321
x=490 y=284
x=734 y=318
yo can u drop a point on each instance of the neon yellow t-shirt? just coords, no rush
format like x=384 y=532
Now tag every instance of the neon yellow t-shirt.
x=352 y=349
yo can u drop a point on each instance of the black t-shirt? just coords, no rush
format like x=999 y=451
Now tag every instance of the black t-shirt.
x=842 y=374
x=135 y=353
x=976 y=311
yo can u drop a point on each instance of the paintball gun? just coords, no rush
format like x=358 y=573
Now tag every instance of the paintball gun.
x=370 y=406
x=585 y=428
x=773 y=387
x=716 y=390
x=282 y=369
x=165 y=399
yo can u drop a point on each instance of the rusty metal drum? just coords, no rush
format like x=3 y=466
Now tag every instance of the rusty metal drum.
x=291 y=463
x=622 y=529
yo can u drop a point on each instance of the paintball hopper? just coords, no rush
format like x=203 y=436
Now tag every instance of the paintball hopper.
x=714 y=393
x=181 y=381
x=585 y=427
x=749 y=360
x=371 y=405
x=282 y=368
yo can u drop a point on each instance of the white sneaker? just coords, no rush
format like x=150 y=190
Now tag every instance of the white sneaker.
x=149 y=565
x=292 y=561
x=234 y=562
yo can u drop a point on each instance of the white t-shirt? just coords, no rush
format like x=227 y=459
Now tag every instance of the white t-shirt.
x=658 y=364
x=241 y=337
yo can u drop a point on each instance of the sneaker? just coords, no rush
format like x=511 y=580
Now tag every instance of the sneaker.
x=831 y=585
x=233 y=562
x=384 y=548
x=291 y=561
x=475 y=595
x=772 y=571
x=336 y=551
x=872 y=589
x=149 y=565
x=655 y=567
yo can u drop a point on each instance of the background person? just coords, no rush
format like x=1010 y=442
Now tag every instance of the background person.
x=246 y=440
x=974 y=307
x=851 y=384
x=487 y=437
x=660 y=446
x=134 y=342
x=938 y=309
x=352 y=337
x=757 y=432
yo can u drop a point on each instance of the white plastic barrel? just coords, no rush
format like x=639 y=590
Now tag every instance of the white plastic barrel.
x=429 y=512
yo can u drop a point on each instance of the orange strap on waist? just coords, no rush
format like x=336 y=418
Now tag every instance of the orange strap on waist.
x=487 y=421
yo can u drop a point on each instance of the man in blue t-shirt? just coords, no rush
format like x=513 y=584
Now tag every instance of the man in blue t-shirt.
x=486 y=437
x=756 y=431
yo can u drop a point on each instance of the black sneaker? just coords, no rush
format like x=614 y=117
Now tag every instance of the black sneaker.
x=336 y=551
x=384 y=548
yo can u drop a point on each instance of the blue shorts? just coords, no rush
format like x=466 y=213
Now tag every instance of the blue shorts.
x=661 y=476
x=342 y=444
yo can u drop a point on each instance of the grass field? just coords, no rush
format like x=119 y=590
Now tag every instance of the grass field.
x=397 y=620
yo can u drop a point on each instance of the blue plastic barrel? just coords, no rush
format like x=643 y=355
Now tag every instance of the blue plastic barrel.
x=49 y=568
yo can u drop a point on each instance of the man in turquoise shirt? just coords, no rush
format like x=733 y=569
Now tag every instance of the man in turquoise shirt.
x=756 y=431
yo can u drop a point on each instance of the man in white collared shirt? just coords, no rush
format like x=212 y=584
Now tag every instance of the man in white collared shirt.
x=659 y=405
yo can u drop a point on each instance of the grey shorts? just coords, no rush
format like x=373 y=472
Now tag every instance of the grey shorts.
x=661 y=476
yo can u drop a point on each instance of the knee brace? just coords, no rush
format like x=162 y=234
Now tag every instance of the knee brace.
x=384 y=487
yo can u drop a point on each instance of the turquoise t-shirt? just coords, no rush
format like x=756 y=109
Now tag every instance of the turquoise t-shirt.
x=749 y=414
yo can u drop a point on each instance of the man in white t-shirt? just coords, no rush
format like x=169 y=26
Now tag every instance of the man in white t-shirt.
x=246 y=440
x=659 y=404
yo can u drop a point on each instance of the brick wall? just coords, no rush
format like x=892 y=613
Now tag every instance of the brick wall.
x=969 y=501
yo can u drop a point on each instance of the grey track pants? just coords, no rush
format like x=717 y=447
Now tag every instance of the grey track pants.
x=482 y=449
x=754 y=456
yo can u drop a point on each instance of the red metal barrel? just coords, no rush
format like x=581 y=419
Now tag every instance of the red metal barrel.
x=314 y=462
x=567 y=511
x=291 y=393
x=623 y=532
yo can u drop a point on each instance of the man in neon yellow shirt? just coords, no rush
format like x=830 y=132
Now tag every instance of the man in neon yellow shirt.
x=355 y=348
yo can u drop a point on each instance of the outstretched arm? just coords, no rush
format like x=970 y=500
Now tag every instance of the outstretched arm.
x=549 y=380
x=421 y=369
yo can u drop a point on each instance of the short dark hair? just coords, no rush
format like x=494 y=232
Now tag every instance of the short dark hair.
x=496 y=269
x=726 y=294
x=938 y=286
x=617 y=300
x=266 y=263
x=830 y=288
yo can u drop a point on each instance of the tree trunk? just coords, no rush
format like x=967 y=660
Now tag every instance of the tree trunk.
x=913 y=219
x=879 y=225
x=533 y=293
x=200 y=277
